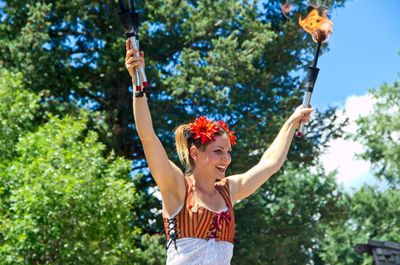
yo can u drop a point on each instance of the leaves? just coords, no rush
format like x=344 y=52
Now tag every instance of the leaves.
x=67 y=202
x=65 y=188
x=17 y=112
x=63 y=200
x=380 y=134
x=372 y=213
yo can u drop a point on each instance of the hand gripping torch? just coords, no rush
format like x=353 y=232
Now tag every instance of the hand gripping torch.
x=312 y=74
x=130 y=22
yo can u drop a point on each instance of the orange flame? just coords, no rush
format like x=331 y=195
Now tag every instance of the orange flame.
x=320 y=27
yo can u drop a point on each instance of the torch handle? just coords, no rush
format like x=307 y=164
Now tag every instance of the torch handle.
x=312 y=74
x=143 y=78
x=139 y=91
x=306 y=103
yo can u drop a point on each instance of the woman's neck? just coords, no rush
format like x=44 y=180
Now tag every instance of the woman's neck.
x=203 y=182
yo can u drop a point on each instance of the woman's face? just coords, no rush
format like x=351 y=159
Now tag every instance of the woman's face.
x=216 y=157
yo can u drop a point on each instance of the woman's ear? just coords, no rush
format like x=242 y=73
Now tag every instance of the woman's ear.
x=194 y=152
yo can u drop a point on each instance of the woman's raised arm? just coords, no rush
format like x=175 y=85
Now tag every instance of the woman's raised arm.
x=243 y=185
x=169 y=178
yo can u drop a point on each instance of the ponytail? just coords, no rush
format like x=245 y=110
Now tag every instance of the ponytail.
x=182 y=146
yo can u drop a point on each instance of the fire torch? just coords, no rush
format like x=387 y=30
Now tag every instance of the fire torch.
x=320 y=27
x=130 y=22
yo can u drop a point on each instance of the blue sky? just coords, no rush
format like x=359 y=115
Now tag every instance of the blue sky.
x=363 y=51
x=363 y=54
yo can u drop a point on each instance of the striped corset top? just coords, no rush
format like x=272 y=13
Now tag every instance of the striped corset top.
x=196 y=221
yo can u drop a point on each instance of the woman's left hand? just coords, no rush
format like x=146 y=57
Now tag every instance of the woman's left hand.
x=300 y=115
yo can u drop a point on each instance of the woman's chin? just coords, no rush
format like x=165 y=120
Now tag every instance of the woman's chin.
x=220 y=175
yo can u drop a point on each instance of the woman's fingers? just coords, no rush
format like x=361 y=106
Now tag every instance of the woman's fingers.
x=138 y=61
x=133 y=65
x=306 y=117
x=127 y=44
x=306 y=110
x=134 y=59
x=128 y=54
x=133 y=62
x=301 y=115
x=131 y=53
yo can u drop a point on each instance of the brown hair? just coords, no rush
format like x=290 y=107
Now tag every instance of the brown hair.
x=184 y=140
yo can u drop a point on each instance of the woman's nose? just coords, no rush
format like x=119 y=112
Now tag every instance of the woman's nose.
x=226 y=157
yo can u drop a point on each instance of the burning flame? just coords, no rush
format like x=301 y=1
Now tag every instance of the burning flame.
x=320 y=27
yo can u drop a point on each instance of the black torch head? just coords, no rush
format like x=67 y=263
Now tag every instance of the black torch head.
x=320 y=36
x=129 y=19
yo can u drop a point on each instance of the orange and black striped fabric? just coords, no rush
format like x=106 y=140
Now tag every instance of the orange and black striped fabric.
x=199 y=222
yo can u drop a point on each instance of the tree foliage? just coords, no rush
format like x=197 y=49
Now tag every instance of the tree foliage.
x=226 y=59
x=379 y=133
x=372 y=213
x=63 y=200
x=17 y=112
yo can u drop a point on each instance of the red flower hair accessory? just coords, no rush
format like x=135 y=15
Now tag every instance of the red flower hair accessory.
x=203 y=129
x=230 y=133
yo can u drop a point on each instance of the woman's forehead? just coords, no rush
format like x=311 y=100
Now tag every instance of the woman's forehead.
x=221 y=141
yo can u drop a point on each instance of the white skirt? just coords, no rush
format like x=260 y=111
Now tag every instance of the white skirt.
x=198 y=251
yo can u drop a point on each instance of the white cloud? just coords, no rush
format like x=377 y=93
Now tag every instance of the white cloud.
x=340 y=155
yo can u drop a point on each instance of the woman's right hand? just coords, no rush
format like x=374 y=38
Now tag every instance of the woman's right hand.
x=132 y=59
x=300 y=115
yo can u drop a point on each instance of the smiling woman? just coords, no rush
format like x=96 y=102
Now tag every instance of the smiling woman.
x=197 y=205
x=190 y=138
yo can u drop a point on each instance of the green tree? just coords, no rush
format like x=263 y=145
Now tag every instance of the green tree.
x=379 y=133
x=66 y=203
x=17 y=112
x=372 y=213
x=226 y=59
x=63 y=200
x=221 y=58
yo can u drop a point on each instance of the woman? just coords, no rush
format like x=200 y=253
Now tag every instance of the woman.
x=198 y=211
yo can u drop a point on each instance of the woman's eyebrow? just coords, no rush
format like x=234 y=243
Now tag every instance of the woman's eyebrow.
x=222 y=147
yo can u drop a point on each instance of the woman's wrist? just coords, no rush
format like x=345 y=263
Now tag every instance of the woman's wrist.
x=291 y=126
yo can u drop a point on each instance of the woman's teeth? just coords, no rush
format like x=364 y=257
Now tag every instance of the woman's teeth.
x=221 y=169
